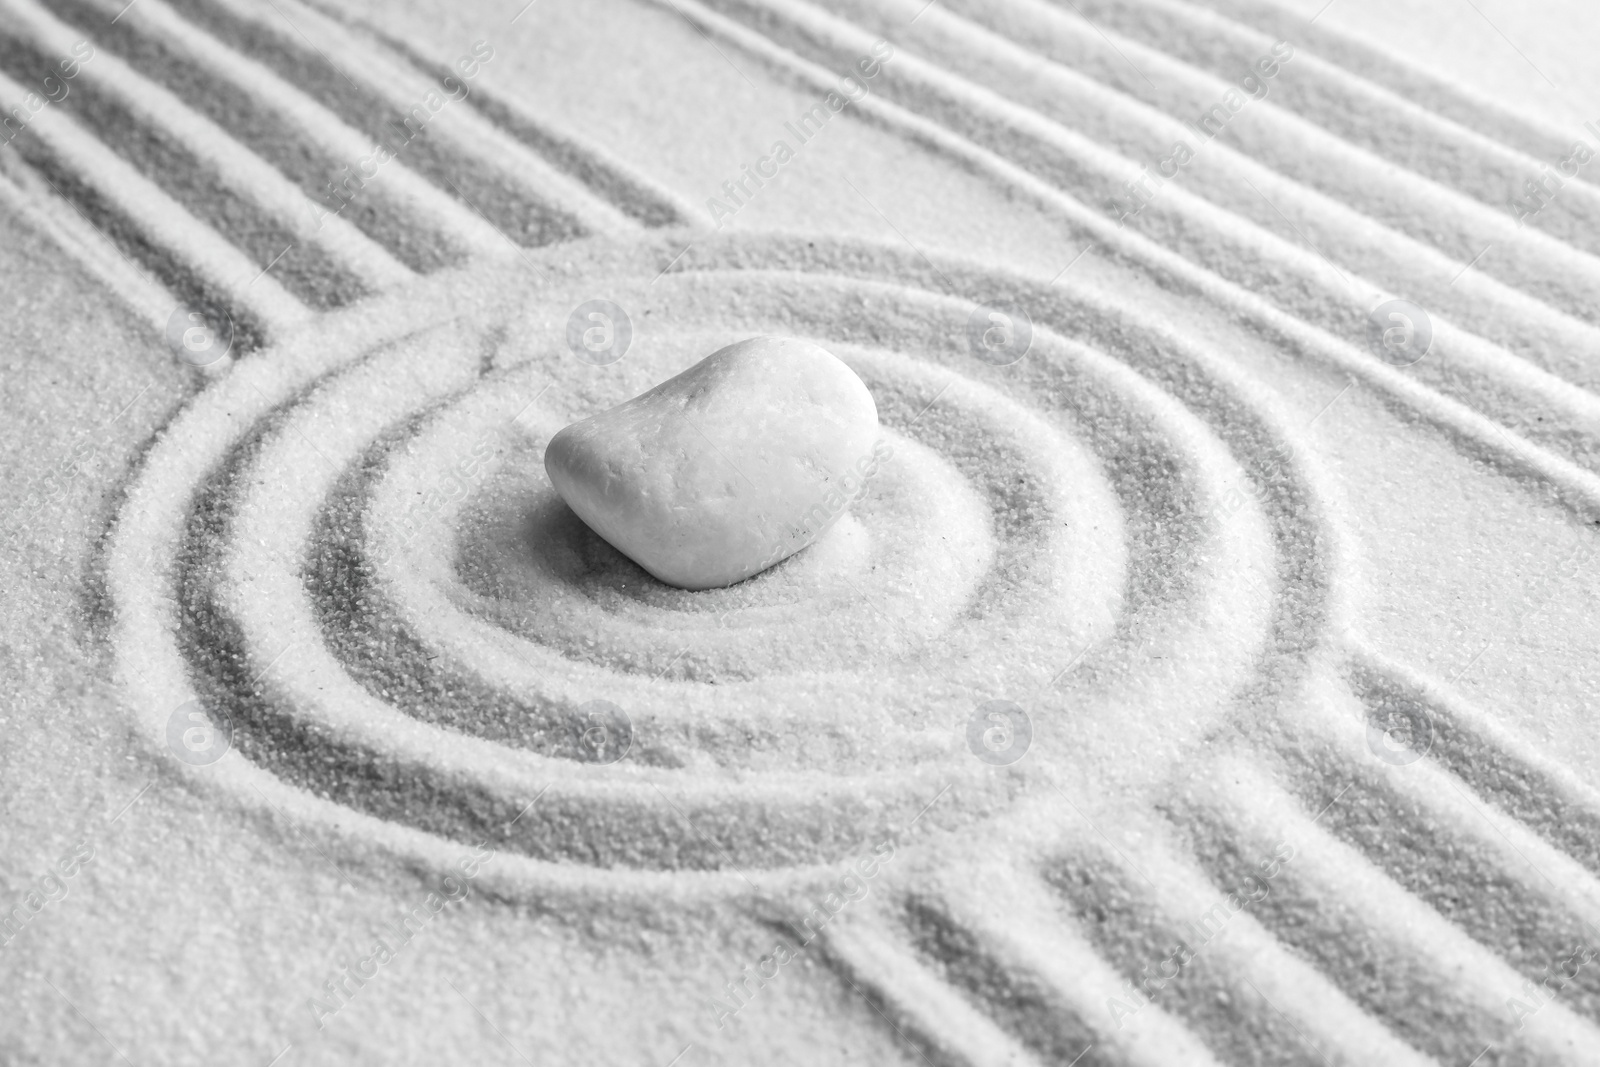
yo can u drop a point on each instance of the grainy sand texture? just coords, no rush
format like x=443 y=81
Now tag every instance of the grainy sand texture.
x=1205 y=673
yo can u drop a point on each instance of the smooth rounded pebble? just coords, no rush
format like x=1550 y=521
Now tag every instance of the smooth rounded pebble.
x=730 y=467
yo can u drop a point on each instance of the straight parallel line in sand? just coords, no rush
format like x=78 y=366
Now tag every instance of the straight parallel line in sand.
x=400 y=85
x=423 y=203
x=164 y=222
x=1472 y=432
x=1559 y=415
x=246 y=174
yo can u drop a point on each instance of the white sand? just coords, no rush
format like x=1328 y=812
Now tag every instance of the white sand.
x=1201 y=534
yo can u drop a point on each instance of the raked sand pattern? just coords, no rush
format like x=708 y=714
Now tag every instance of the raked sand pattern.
x=1087 y=736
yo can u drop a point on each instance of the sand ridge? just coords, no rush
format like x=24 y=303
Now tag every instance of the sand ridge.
x=1145 y=537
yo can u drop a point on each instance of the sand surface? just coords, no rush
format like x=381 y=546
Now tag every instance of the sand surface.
x=1270 y=614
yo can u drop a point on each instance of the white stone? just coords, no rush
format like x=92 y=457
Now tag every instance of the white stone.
x=728 y=468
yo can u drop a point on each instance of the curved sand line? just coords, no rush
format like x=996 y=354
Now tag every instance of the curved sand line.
x=433 y=696
x=245 y=580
